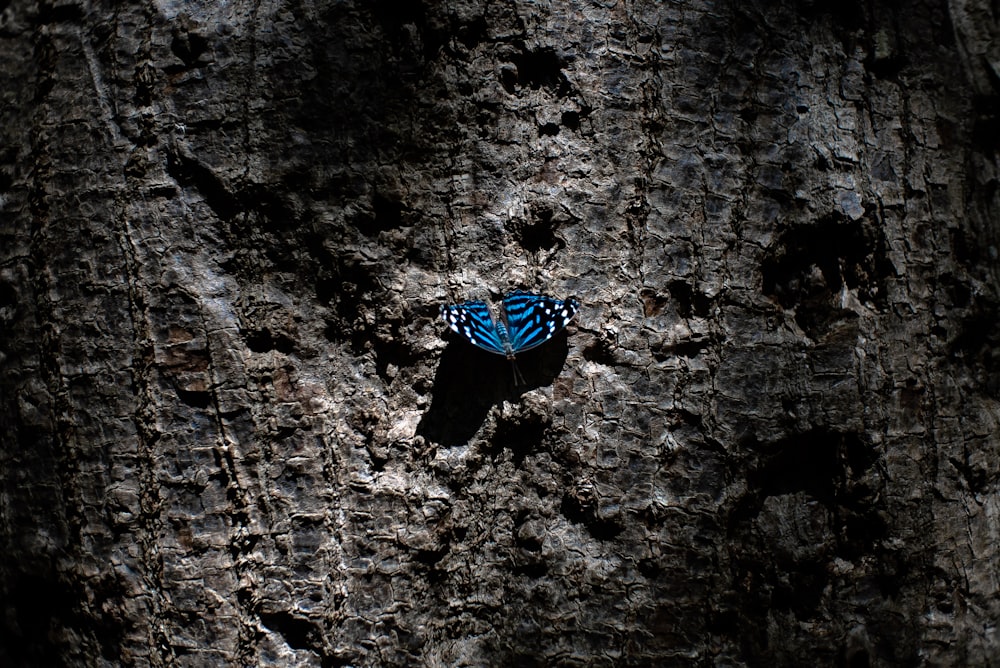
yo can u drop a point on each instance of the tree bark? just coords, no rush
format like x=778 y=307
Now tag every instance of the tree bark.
x=235 y=433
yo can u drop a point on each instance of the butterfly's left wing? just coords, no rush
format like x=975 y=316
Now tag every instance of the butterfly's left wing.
x=534 y=319
x=473 y=322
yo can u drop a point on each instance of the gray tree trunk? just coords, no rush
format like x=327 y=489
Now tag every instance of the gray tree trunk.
x=234 y=432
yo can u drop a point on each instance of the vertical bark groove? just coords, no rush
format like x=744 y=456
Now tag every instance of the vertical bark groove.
x=234 y=432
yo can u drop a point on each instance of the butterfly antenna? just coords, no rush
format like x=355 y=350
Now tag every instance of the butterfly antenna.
x=518 y=378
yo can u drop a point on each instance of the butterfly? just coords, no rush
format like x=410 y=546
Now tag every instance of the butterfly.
x=526 y=321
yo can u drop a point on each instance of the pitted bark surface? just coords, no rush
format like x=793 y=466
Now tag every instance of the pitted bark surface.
x=234 y=431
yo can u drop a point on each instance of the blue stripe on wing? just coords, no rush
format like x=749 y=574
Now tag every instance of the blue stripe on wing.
x=534 y=319
x=472 y=322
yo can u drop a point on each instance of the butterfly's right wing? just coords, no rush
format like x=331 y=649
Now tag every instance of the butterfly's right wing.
x=534 y=319
x=472 y=321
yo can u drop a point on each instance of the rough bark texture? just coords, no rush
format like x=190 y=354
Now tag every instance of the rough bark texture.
x=233 y=432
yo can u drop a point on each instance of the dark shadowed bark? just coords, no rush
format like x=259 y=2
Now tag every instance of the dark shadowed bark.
x=233 y=431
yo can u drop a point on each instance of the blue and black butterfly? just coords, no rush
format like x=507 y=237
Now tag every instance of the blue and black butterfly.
x=526 y=321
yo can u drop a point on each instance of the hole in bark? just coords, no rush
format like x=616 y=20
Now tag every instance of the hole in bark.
x=529 y=543
x=648 y=568
x=688 y=301
x=540 y=234
x=508 y=79
x=811 y=264
x=748 y=115
x=350 y=293
x=262 y=341
x=548 y=130
x=601 y=529
x=690 y=348
x=430 y=557
x=386 y=214
x=571 y=120
x=298 y=633
x=887 y=68
x=538 y=69
x=533 y=570
x=600 y=351
x=195 y=399
x=326 y=289
x=473 y=33
x=392 y=350
x=189 y=47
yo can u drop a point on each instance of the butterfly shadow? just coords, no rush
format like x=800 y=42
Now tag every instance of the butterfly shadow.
x=470 y=381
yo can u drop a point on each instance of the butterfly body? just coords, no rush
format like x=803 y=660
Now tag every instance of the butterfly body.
x=508 y=347
x=526 y=321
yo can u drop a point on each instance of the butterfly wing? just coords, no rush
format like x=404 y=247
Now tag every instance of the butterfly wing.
x=472 y=321
x=534 y=319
